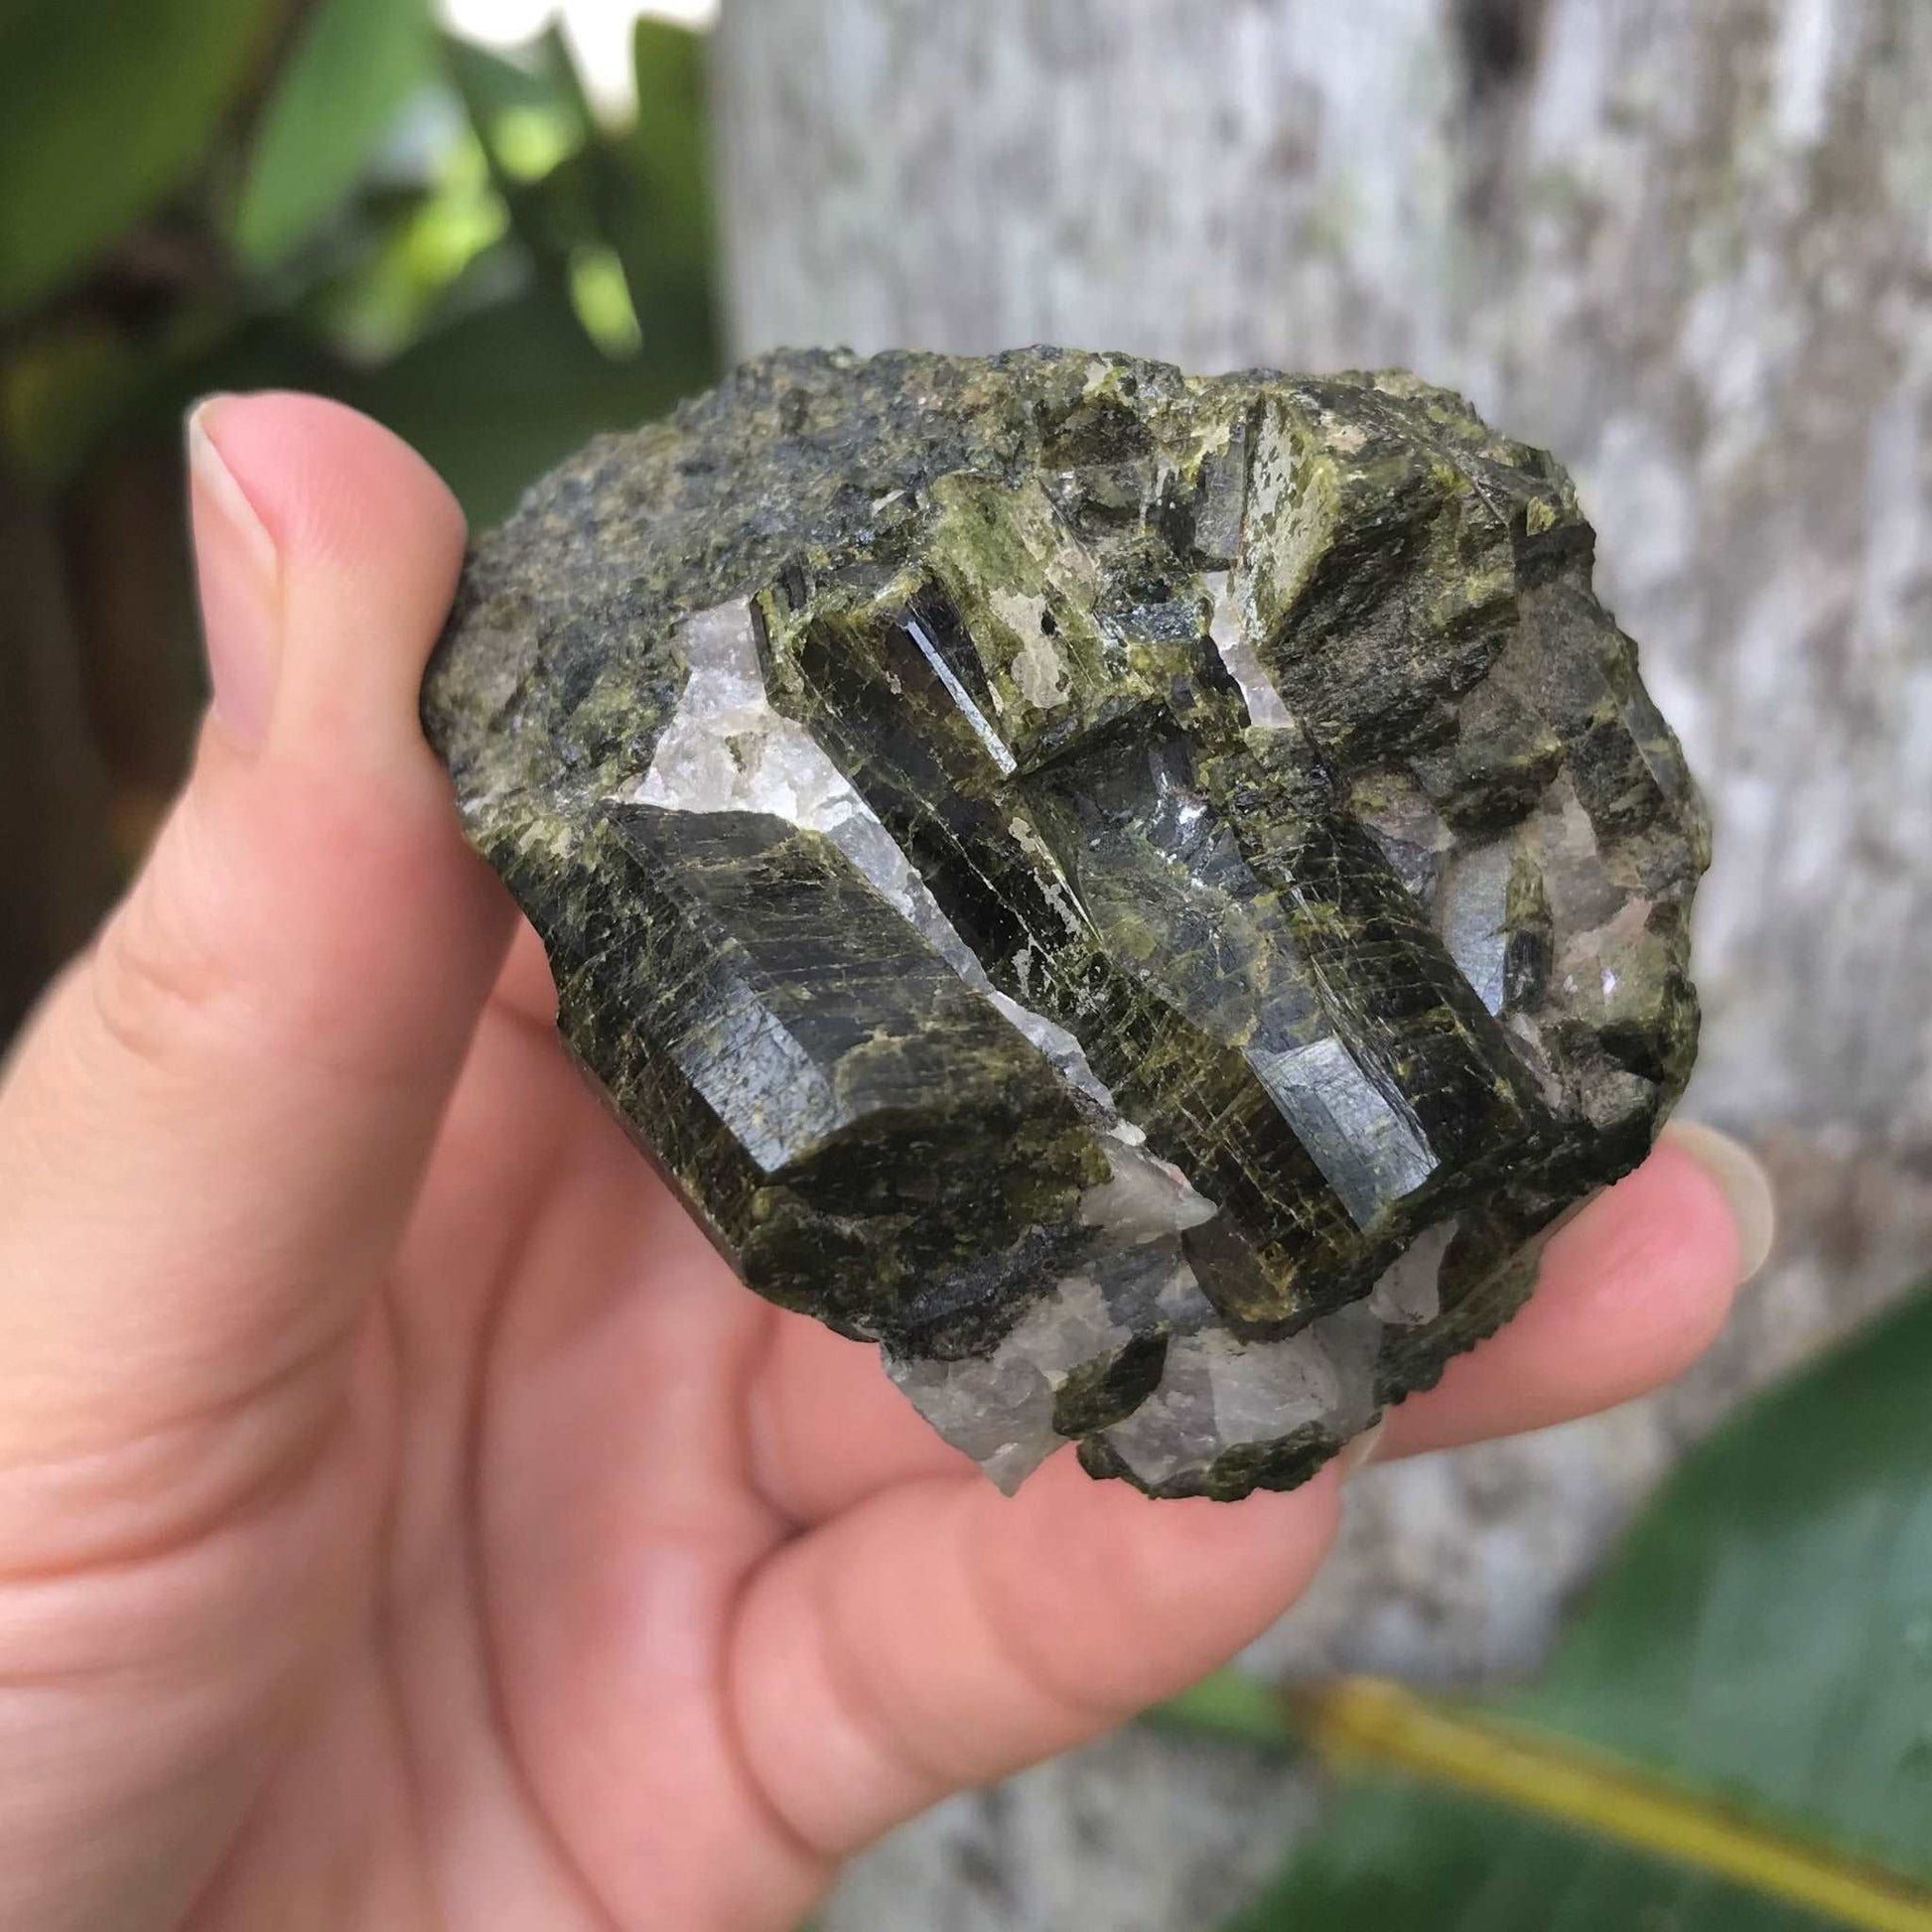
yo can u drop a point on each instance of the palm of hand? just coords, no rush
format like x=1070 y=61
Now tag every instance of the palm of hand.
x=530 y=1722
x=633 y=1540
x=673 y=1600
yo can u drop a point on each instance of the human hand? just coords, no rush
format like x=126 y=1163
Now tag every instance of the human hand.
x=404 y=1518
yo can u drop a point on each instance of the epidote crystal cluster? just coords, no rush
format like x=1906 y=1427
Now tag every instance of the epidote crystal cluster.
x=1144 y=895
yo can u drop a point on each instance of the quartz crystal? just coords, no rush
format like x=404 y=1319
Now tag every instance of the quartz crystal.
x=1146 y=896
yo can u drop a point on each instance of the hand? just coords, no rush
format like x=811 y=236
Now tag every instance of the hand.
x=404 y=1518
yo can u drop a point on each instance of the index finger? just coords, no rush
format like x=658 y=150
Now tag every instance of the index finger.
x=1629 y=1294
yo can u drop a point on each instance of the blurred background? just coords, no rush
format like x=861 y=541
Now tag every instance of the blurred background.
x=488 y=226
x=1684 y=244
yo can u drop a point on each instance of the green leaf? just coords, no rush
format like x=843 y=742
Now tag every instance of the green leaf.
x=495 y=399
x=355 y=65
x=673 y=234
x=616 y=223
x=529 y=118
x=1403 y=1855
x=601 y=299
x=106 y=106
x=540 y=81
x=1736 y=1732
x=414 y=258
x=1766 y=1630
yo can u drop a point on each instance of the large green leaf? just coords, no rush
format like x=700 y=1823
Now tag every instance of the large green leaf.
x=105 y=108
x=1766 y=1632
x=1736 y=1733
x=353 y=66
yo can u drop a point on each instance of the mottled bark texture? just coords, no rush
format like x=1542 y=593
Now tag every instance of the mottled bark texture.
x=1686 y=244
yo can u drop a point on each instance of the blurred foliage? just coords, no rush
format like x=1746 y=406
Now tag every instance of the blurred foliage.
x=1734 y=1732
x=105 y=111
x=352 y=67
x=202 y=195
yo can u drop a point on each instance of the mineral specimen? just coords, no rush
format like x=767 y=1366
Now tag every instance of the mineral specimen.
x=1145 y=896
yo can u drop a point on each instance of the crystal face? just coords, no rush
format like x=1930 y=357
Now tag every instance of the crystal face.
x=1146 y=896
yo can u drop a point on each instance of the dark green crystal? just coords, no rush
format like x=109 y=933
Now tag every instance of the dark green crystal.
x=1144 y=895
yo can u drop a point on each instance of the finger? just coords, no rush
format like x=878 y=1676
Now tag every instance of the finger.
x=825 y=1427
x=941 y=1635
x=1629 y=1296
x=613 y=1526
x=525 y=986
x=212 y=1132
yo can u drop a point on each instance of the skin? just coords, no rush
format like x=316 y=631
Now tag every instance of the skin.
x=405 y=1520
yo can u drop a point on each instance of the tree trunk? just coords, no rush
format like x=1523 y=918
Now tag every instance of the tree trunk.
x=1684 y=243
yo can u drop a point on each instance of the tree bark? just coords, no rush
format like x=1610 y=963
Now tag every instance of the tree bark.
x=1684 y=244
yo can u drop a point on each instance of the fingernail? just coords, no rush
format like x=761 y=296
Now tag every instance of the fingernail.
x=1745 y=1184
x=240 y=580
x=1359 y=1451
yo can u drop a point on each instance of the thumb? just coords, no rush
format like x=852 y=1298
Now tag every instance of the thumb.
x=211 y=1133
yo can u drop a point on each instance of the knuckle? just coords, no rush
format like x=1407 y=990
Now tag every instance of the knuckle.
x=1069 y=1664
x=160 y=988
x=1059 y=1685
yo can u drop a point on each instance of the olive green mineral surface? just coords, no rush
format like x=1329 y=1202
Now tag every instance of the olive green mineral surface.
x=1145 y=896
